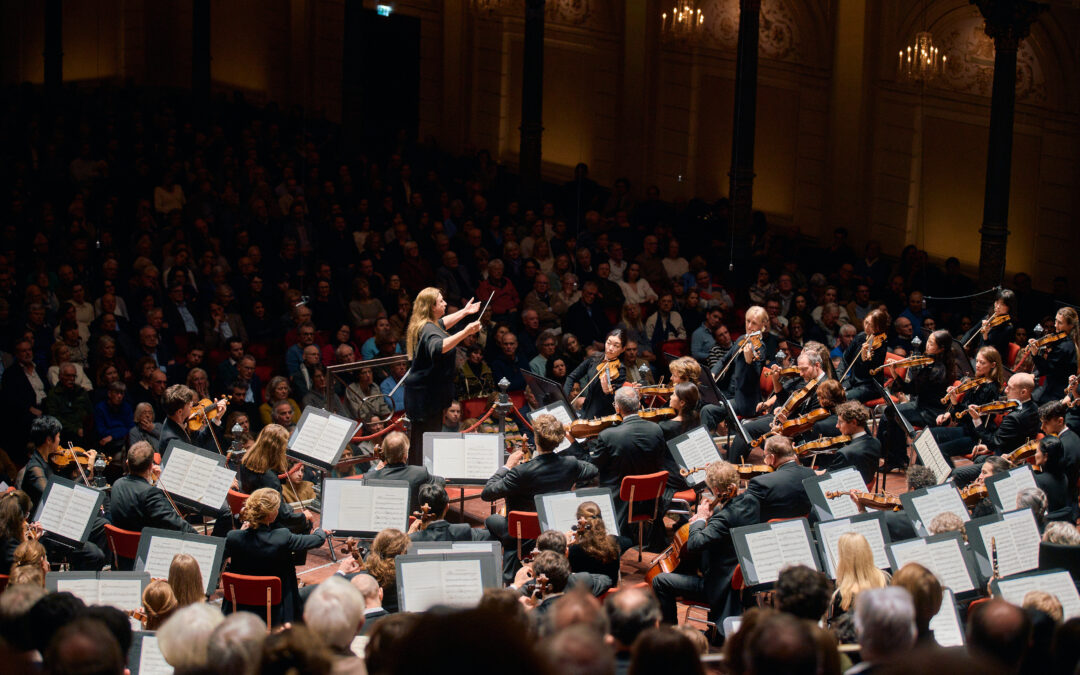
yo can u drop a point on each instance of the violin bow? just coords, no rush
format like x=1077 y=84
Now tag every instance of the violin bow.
x=82 y=474
x=169 y=497
x=206 y=421
x=736 y=349
x=600 y=372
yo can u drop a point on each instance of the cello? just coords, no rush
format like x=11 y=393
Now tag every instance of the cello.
x=673 y=555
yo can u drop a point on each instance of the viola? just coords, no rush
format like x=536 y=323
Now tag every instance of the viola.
x=684 y=472
x=909 y=362
x=872 y=344
x=755 y=340
x=205 y=410
x=139 y=615
x=822 y=444
x=656 y=414
x=1023 y=453
x=880 y=501
x=748 y=471
x=973 y=494
x=798 y=396
x=352 y=547
x=590 y=428
x=1072 y=390
x=965 y=386
x=986 y=408
x=425 y=515
x=790 y=371
x=793 y=426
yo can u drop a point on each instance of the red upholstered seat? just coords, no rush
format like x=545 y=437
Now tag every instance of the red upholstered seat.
x=642 y=488
x=124 y=543
x=242 y=589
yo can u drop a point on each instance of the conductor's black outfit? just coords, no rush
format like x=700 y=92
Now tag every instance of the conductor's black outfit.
x=429 y=386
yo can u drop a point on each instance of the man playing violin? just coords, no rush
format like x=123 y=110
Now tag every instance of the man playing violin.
x=746 y=359
x=433 y=495
x=1017 y=427
x=710 y=538
x=179 y=403
x=863 y=451
x=45 y=435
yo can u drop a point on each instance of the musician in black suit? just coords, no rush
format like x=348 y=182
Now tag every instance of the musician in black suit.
x=433 y=495
x=1057 y=361
x=1020 y=425
x=261 y=550
x=1052 y=418
x=632 y=448
x=743 y=378
x=602 y=374
x=863 y=451
x=260 y=468
x=395 y=450
x=780 y=494
x=136 y=503
x=519 y=483
x=710 y=538
x=179 y=403
x=864 y=358
x=373 y=599
x=1050 y=457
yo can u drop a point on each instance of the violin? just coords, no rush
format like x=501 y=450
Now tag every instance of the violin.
x=909 y=362
x=965 y=386
x=748 y=471
x=973 y=494
x=656 y=390
x=517 y=442
x=1072 y=390
x=684 y=472
x=992 y=407
x=352 y=547
x=63 y=459
x=32 y=531
x=880 y=501
x=1045 y=341
x=1023 y=453
x=205 y=410
x=656 y=414
x=793 y=426
x=583 y=525
x=139 y=615
x=590 y=428
x=872 y=344
x=822 y=444
x=790 y=371
x=425 y=515
x=995 y=321
x=798 y=396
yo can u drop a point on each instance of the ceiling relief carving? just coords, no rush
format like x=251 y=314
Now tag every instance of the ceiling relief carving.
x=970 y=67
x=571 y=12
x=778 y=37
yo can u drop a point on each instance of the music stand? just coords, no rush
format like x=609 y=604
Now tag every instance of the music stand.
x=546 y=391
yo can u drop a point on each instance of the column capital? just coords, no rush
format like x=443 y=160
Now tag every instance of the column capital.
x=1009 y=21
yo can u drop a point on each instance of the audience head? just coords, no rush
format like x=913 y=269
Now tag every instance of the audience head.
x=578 y=608
x=1000 y=631
x=802 y=592
x=335 y=612
x=84 y=646
x=884 y=623
x=664 y=649
x=235 y=645
x=780 y=644
x=386 y=639
x=184 y=637
x=296 y=649
x=630 y=612
x=925 y=591
x=577 y=650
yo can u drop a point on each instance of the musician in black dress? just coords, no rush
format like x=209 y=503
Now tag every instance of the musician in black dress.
x=687 y=369
x=1057 y=361
x=260 y=468
x=609 y=373
x=999 y=336
x=957 y=438
x=429 y=386
x=924 y=387
x=1052 y=479
x=593 y=553
x=863 y=358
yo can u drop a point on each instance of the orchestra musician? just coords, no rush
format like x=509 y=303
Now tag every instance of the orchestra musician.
x=710 y=539
x=429 y=386
x=863 y=451
x=1058 y=360
x=434 y=496
x=179 y=402
x=45 y=436
x=830 y=394
x=859 y=383
x=519 y=482
x=1018 y=426
x=747 y=361
x=981 y=334
x=1052 y=479
x=924 y=387
x=956 y=438
x=260 y=468
x=14 y=509
x=781 y=494
x=687 y=369
x=136 y=503
x=609 y=373
x=1052 y=421
x=395 y=452
x=632 y=448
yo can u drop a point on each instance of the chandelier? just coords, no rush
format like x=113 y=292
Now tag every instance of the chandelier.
x=921 y=61
x=683 y=22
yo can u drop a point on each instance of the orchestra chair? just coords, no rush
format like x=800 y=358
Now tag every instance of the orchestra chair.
x=646 y=487
x=124 y=544
x=242 y=589
x=616 y=589
x=236 y=503
x=1059 y=556
x=474 y=407
x=1010 y=358
x=523 y=526
x=676 y=347
x=3 y=582
x=686 y=499
x=697 y=604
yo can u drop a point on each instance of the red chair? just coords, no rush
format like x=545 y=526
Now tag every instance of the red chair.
x=642 y=488
x=3 y=582
x=474 y=408
x=737 y=581
x=1010 y=359
x=523 y=525
x=260 y=351
x=676 y=347
x=686 y=498
x=264 y=373
x=241 y=589
x=236 y=502
x=124 y=543
x=362 y=334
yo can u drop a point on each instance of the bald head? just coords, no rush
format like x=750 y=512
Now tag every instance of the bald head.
x=630 y=612
x=1000 y=631
x=369 y=588
x=1021 y=385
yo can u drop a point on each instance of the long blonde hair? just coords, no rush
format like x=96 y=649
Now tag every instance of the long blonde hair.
x=423 y=311
x=185 y=579
x=268 y=451
x=261 y=507
x=997 y=367
x=855 y=571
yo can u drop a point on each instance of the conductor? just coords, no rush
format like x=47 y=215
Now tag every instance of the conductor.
x=429 y=386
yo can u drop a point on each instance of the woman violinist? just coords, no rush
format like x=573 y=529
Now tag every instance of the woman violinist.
x=996 y=330
x=685 y=402
x=1058 y=360
x=14 y=530
x=958 y=439
x=1052 y=479
x=747 y=358
x=593 y=550
x=600 y=375
x=866 y=352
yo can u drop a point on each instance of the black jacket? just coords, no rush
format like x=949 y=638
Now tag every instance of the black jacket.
x=862 y=453
x=1070 y=441
x=440 y=530
x=415 y=475
x=203 y=438
x=781 y=494
x=136 y=504
x=1057 y=365
x=899 y=525
x=251 y=481
x=597 y=402
x=268 y=552
x=1017 y=427
x=545 y=472
x=712 y=540
x=633 y=448
x=860 y=372
x=1056 y=487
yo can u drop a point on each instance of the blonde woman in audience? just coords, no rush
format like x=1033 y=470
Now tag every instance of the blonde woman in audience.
x=159 y=603
x=855 y=572
x=185 y=579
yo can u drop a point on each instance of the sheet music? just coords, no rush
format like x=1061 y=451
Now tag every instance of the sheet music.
x=483 y=455
x=422 y=583
x=52 y=516
x=783 y=544
x=945 y=624
x=1007 y=487
x=151 y=662
x=353 y=507
x=204 y=554
x=939 y=499
x=944 y=558
x=448 y=457
x=561 y=511
x=162 y=550
x=320 y=436
x=67 y=510
x=842 y=481
x=1059 y=584
x=557 y=411
x=831 y=531
x=86 y=590
x=927 y=449
x=1017 y=539
x=463 y=584
x=697 y=449
x=196 y=477
x=123 y=594
x=308 y=434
